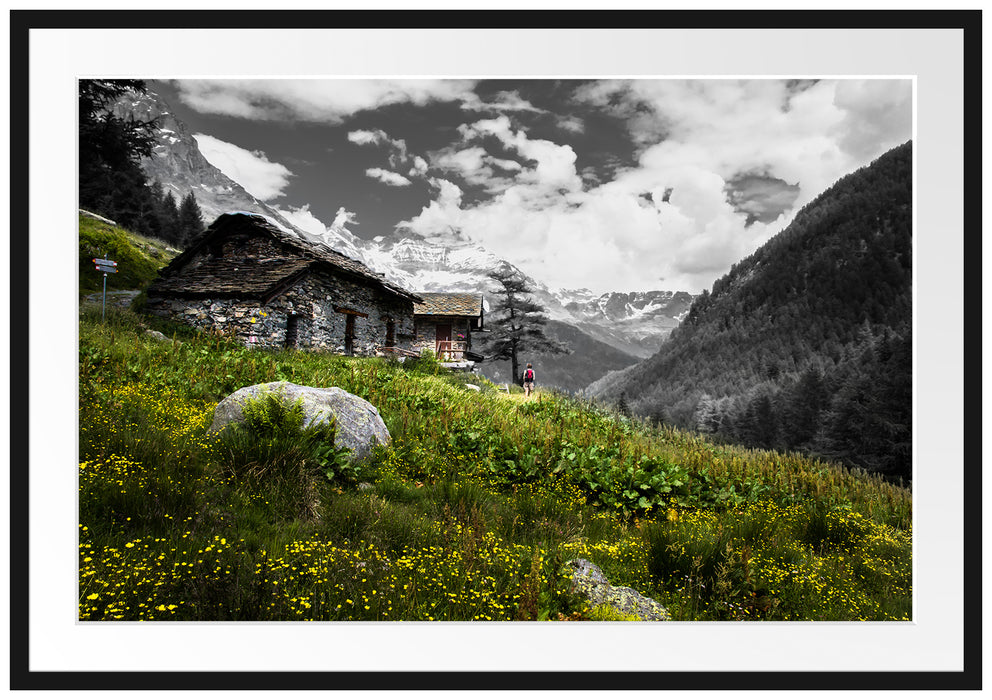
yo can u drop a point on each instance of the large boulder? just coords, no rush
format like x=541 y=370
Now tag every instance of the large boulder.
x=359 y=426
x=589 y=583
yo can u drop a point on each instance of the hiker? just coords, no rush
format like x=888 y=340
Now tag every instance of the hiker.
x=528 y=379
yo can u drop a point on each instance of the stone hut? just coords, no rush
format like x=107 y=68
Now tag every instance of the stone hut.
x=251 y=279
x=444 y=324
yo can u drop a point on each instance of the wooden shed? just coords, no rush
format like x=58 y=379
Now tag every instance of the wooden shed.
x=445 y=322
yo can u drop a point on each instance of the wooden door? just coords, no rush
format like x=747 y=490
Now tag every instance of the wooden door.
x=292 y=331
x=443 y=337
x=349 y=335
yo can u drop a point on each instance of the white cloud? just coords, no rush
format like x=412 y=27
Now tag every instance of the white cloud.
x=573 y=124
x=250 y=169
x=440 y=221
x=667 y=215
x=338 y=236
x=468 y=163
x=695 y=137
x=317 y=100
x=549 y=167
x=504 y=101
x=364 y=137
x=810 y=137
x=477 y=167
x=876 y=112
x=554 y=164
x=419 y=168
x=604 y=238
x=303 y=218
x=388 y=177
x=505 y=164
x=344 y=218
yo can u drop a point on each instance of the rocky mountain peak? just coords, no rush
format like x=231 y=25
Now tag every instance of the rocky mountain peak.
x=181 y=168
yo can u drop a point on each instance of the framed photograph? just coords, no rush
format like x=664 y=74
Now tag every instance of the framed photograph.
x=641 y=151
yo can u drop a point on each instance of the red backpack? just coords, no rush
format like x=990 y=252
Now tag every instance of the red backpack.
x=529 y=375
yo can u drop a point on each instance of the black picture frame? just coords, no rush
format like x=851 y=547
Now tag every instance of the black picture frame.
x=21 y=323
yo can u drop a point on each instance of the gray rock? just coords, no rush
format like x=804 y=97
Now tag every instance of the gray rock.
x=359 y=426
x=97 y=217
x=157 y=335
x=589 y=583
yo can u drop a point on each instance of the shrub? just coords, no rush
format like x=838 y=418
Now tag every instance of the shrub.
x=427 y=363
x=272 y=446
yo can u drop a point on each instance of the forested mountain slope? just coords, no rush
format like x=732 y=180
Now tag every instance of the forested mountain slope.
x=805 y=344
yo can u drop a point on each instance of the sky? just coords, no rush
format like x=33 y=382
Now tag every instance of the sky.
x=608 y=185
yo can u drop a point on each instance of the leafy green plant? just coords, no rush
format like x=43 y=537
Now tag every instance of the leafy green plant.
x=607 y=613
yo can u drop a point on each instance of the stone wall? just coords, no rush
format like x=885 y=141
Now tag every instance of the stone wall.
x=313 y=301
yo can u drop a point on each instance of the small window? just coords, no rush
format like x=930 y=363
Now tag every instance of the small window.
x=390 y=333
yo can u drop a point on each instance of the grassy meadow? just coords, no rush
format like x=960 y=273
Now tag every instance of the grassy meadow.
x=468 y=515
x=138 y=257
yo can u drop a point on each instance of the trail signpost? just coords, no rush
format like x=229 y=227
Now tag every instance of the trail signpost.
x=105 y=266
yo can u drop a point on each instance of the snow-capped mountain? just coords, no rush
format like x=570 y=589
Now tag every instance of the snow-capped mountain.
x=417 y=264
x=634 y=323
x=180 y=167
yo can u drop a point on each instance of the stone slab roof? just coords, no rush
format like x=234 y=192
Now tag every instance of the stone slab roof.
x=220 y=278
x=227 y=277
x=449 y=304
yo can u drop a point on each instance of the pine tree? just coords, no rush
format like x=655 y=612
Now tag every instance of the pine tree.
x=146 y=212
x=190 y=220
x=803 y=405
x=110 y=151
x=759 y=426
x=517 y=322
x=707 y=414
x=168 y=214
x=623 y=408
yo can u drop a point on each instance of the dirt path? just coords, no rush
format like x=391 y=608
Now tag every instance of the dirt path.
x=115 y=299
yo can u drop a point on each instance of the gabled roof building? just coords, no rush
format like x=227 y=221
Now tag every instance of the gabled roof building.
x=444 y=323
x=251 y=279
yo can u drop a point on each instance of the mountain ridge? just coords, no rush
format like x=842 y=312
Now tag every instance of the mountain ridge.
x=807 y=342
